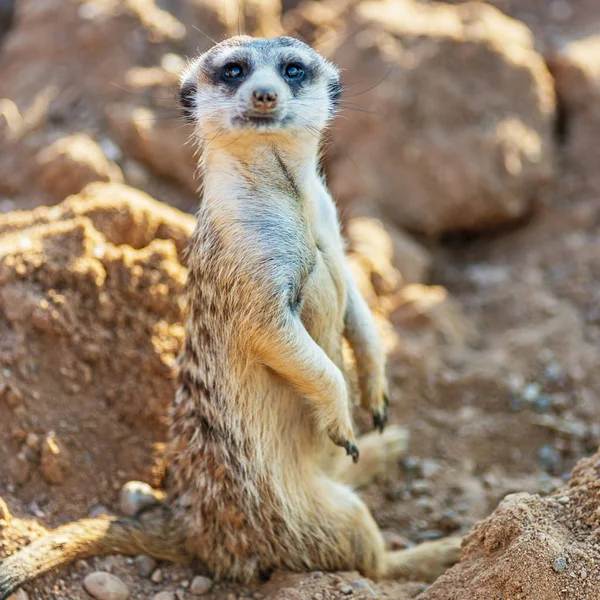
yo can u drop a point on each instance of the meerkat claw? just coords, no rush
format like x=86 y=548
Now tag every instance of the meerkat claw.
x=380 y=418
x=352 y=450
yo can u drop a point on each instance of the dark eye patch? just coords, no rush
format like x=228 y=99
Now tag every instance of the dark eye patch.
x=222 y=69
x=187 y=100
x=296 y=73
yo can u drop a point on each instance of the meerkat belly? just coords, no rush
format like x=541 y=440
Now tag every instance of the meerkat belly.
x=324 y=302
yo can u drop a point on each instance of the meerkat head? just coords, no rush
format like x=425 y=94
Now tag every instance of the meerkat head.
x=267 y=87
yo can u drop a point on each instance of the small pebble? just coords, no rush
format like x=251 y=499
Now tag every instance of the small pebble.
x=164 y=596
x=19 y=595
x=420 y=487
x=345 y=589
x=583 y=574
x=550 y=458
x=144 y=565
x=362 y=586
x=531 y=392
x=200 y=585
x=104 y=586
x=564 y=499
x=157 y=576
x=136 y=495
x=543 y=404
x=429 y=467
x=430 y=534
x=560 y=564
x=98 y=510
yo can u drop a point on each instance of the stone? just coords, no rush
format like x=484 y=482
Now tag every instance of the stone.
x=70 y=163
x=433 y=144
x=136 y=495
x=576 y=69
x=157 y=576
x=104 y=586
x=419 y=306
x=54 y=462
x=164 y=596
x=200 y=585
x=144 y=565
x=393 y=256
x=155 y=142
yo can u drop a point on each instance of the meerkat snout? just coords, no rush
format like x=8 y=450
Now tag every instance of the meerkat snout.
x=264 y=99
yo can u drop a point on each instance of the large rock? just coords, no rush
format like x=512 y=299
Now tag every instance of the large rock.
x=72 y=162
x=576 y=68
x=458 y=128
x=533 y=547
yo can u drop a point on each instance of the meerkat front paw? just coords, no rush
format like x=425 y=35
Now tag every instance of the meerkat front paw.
x=374 y=398
x=342 y=434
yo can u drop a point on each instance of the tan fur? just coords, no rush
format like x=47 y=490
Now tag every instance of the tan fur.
x=257 y=481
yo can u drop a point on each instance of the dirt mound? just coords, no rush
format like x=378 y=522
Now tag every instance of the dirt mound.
x=91 y=324
x=533 y=547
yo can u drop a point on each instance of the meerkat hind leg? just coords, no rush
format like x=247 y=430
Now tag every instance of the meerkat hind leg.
x=378 y=452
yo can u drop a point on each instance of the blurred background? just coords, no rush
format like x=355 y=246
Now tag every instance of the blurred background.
x=466 y=166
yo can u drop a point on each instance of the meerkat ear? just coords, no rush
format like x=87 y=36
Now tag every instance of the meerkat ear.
x=187 y=100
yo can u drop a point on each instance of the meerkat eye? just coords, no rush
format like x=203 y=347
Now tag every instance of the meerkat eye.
x=233 y=71
x=294 y=71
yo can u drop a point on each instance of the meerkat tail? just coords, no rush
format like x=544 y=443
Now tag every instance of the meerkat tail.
x=86 y=538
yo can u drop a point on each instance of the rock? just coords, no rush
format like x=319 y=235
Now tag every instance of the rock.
x=136 y=495
x=19 y=468
x=55 y=461
x=10 y=394
x=157 y=576
x=156 y=143
x=144 y=565
x=576 y=70
x=104 y=586
x=418 y=306
x=164 y=596
x=70 y=163
x=345 y=589
x=200 y=585
x=444 y=150
x=99 y=510
x=19 y=595
x=219 y=20
x=391 y=255
x=363 y=588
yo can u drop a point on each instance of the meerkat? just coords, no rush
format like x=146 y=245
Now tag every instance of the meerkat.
x=261 y=423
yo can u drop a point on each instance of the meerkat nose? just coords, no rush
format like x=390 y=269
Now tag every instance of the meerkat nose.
x=264 y=99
